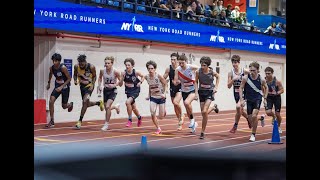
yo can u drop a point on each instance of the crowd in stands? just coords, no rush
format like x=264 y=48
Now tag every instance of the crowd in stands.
x=193 y=10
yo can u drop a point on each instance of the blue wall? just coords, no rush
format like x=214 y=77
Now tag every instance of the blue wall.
x=54 y=14
x=262 y=21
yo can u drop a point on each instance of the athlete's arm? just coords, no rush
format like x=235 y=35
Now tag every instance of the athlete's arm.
x=194 y=67
x=241 y=88
x=118 y=76
x=166 y=73
x=141 y=76
x=196 y=90
x=230 y=81
x=148 y=97
x=265 y=91
x=94 y=76
x=99 y=89
x=280 y=87
x=264 y=88
x=215 y=74
x=50 y=76
x=100 y=78
x=121 y=78
x=246 y=71
x=197 y=76
x=67 y=74
x=75 y=76
x=164 y=84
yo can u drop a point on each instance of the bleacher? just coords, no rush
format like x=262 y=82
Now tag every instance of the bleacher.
x=140 y=7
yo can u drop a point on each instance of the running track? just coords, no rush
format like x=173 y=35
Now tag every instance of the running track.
x=65 y=138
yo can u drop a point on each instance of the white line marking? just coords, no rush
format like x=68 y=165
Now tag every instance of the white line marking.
x=243 y=144
x=221 y=140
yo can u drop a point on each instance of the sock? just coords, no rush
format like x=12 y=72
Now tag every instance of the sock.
x=235 y=125
x=254 y=134
x=98 y=103
x=191 y=116
x=139 y=117
x=51 y=121
x=80 y=119
x=130 y=118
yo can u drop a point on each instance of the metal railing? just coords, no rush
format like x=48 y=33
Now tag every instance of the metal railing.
x=142 y=8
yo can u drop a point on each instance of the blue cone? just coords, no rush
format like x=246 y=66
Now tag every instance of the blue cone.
x=144 y=144
x=275 y=134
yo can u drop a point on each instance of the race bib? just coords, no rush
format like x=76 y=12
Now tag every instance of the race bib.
x=206 y=86
x=273 y=92
x=155 y=90
x=129 y=85
x=60 y=81
x=109 y=85
x=188 y=83
x=85 y=82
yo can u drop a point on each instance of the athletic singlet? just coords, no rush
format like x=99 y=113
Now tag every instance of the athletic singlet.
x=171 y=77
x=272 y=87
x=251 y=94
x=186 y=78
x=237 y=83
x=109 y=79
x=131 y=81
x=155 y=86
x=85 y=75
x=60 y=76
x=206 y=80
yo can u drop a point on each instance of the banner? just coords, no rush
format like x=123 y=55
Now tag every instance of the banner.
x=68 y=63
x=58 y=15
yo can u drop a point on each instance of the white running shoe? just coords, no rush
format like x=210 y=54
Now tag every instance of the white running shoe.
x=280 y=130
x=193 y=129
x=252 y=138
x=191 y=123
x=105 y=127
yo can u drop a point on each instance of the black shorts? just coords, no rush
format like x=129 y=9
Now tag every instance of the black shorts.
x=174 y=90
x=274 y=100
x=65 y=94
x=158 y=101
x=85 y=90
x=205 y=94
x=186 y=94
x=134 y=95
x=251 y=105
x=109 y=94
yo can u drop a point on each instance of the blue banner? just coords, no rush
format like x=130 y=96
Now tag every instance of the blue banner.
x=59 y=15
x=68 y=63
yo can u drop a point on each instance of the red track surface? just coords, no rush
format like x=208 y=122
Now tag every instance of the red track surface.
x=217 y=134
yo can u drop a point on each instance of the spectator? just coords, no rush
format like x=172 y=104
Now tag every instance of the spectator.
x=228 y=10
x=235 y=14
x=177 y=8
x=215 y=17
x=223 y=20
x=271 y=29
x=219 y=7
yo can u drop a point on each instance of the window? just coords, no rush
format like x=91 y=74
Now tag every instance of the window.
x=272 y=7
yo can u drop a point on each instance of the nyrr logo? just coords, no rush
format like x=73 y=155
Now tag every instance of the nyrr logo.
x=132 y=26
x=217 y=38
x=274 y=45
